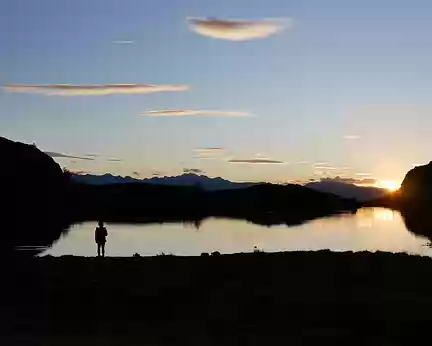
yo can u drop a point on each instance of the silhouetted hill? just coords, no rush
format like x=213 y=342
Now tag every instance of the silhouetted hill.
x=360 y=193
x=189 y=179
x=413 y=200
x=415 y=191
x=33 y=190
x=417 y=184
x=262 y=203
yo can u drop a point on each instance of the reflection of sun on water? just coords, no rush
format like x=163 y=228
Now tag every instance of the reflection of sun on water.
x=383 y=214
x=366 y=216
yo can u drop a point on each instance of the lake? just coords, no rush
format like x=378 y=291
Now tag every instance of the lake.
x=371 y=229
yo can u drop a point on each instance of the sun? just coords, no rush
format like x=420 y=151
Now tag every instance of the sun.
x=390 y=185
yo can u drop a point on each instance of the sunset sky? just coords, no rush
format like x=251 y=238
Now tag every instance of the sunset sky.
x=304 y=89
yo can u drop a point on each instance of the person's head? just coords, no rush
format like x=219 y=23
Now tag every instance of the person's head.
x=100 y=223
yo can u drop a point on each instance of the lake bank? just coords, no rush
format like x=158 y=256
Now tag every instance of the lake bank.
x=256 y=298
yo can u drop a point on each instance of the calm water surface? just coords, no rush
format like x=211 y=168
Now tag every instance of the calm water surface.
x=370 y=229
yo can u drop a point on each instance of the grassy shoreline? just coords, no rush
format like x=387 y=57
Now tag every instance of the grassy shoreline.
x=251 y=298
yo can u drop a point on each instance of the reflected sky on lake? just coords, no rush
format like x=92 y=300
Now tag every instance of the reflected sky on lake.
x=370 y=229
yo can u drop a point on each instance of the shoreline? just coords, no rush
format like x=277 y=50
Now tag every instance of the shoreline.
x=254 y=298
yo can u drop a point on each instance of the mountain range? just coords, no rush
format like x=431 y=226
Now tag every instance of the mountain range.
x=188 y=179
x=345 y=190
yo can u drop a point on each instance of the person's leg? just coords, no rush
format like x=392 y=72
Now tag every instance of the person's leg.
x=98 y=248
x=103 y=249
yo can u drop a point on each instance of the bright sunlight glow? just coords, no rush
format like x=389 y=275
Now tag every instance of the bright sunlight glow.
x=389 y=185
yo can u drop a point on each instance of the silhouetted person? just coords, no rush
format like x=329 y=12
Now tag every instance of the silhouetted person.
x=100 y=238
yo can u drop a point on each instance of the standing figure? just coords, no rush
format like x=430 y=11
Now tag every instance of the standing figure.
x=100 y=237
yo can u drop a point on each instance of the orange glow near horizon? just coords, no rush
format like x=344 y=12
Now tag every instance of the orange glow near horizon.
x=390 y=185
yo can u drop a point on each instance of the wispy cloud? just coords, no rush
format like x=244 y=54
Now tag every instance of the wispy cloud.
x=204 y=157
x=122 y=42
x=238 y=30
x=330 y=168
x=65 y=156
x=136 y=174
x=352 y=137
x=192 y=170
x=210 y=150
x=361 y=174
x=255 y=161
x=92 y=90
x=114 y=160
x=355 y=181
x=192 y=112
x=91 y=155
x=208 y=153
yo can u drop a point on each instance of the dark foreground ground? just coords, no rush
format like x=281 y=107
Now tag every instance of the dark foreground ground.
x=297 y=298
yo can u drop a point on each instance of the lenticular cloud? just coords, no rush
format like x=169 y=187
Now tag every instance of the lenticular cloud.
x=92 y=90
x=194 y=112
x=255 y=161
x=238 y=30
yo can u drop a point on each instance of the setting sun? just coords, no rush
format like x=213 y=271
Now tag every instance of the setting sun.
x=389 y=185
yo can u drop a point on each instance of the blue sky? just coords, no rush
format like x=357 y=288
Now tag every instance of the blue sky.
x=360 y=69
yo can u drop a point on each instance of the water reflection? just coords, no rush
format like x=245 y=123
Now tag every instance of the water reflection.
x=417 y=219
x=372 y=229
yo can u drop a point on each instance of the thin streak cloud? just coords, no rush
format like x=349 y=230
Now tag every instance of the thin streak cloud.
x=64 y=156
x=195 y=113
x=355 y=181
x=210 y=150
x=114 y=160
x=238 y=30
x=352 y=137
x=256 y=161
x=123 y=42
x=326 y=167
x=208 y=153
x=92 y=90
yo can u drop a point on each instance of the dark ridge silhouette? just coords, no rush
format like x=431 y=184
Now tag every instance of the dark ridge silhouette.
x=413 y=200
x=414 y=194
x=187 y=179
x=264 y=203
x=34 y=191
x=417 y=184
x=348 y=190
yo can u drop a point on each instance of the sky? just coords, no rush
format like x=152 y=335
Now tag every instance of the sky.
x=305 y=89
